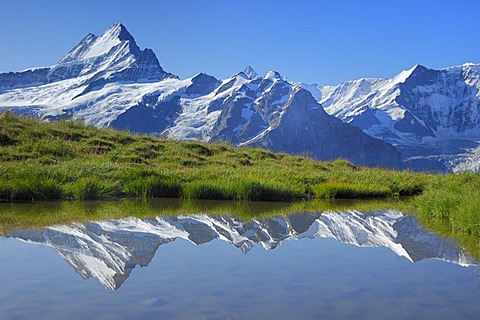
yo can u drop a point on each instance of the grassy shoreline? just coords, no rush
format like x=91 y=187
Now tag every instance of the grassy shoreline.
x=28 y=215
x=69 y=160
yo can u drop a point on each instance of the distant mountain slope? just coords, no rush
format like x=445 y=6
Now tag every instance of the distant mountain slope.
x=108 y=81
x=431 y=116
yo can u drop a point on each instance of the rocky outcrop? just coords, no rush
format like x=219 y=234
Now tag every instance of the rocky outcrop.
x=328 y=139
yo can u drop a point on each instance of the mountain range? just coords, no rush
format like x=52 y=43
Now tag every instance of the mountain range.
x=431 y=116
x=110 y=250
x=422 y=119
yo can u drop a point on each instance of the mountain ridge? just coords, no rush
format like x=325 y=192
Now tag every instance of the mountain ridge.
x=431 y=116
x=108 y=81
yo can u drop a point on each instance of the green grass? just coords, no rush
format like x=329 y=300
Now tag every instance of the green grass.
x=70 y=160
x=455 y=198
x=349 y=190
x=16 y=216
x=153 y=186
x=91 y=188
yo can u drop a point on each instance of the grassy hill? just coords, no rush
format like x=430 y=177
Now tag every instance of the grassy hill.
x=69 y=160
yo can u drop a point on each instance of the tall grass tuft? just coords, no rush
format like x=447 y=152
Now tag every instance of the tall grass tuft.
x=256 y=191
x=454 y=198
x=31 y=188
x=349 y=190
x=207 y=190
x=153 y=186
x=91 y=188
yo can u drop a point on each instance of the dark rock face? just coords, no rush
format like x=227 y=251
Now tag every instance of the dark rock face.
x=202 y=84
x=25 y=78
x=148 y=116
x=305 y=128
x=441 y=99
x=410 y=124
x=238 y=120
x=271 y=113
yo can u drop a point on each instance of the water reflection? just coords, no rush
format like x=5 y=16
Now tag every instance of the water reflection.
x=109 y=250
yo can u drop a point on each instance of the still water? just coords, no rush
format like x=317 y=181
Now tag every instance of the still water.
x=329 y=265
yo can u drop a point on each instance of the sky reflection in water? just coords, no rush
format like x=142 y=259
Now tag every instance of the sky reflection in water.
x=220 y=267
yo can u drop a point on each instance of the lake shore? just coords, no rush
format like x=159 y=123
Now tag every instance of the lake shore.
x=70 y=160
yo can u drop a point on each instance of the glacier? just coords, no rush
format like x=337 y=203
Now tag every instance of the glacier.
x=431 y=116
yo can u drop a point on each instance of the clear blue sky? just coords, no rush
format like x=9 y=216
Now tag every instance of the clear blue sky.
x=311 y=41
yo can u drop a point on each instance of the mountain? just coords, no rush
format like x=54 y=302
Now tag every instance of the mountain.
x=96 y=60
x=87 y=83
x=431 y=116
x=110 y=250
x=108 y=81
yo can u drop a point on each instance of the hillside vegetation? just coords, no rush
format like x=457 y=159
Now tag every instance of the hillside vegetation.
x=67 y=159
x=70 y=160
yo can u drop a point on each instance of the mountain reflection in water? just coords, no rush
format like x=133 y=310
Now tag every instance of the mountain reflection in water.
x=109 y=250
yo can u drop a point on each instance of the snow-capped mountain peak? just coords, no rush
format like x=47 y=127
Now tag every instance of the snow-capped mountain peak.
x=405 y=74
x=431 y=116
x=113 y=56
x=94 y=46
x=470 y=72
x=273 y=75
x=250 y=73
x=466 y=65
x=120 y=31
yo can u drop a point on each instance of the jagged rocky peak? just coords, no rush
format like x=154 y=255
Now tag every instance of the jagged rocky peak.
x=273 y=75
x=423 y=112
x=416 y=75
x=469 y=71
x=115 y=54
x=470 y=66
x=250 y=73
x=422 y=74
x=120 y=31
x=202 y=84
x=93 y=46
x=305 y=99
x=203 y=77
x=404 y=74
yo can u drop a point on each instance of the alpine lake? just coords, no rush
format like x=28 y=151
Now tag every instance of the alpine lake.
x=173 y=259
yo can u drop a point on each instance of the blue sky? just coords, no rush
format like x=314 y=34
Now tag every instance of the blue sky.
x=311 y=41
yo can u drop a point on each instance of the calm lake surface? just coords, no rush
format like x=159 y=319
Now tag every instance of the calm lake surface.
x=316 y=265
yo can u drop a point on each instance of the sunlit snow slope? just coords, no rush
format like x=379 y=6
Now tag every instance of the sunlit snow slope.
x=431 y=116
